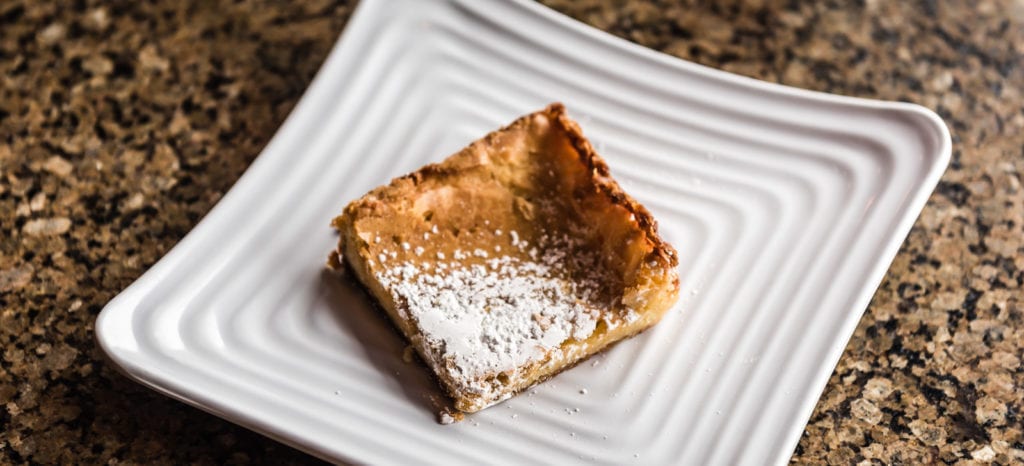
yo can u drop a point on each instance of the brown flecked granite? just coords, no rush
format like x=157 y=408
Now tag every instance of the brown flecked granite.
x=122 y=123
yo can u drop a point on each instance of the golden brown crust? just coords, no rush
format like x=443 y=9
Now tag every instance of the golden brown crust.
x=596 y=167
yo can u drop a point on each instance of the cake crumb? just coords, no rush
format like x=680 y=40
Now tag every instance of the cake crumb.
x=334 y=264
x=448 y=416
x=408 y=354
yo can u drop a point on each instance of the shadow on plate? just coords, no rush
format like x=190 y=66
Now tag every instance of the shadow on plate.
x=353 y=309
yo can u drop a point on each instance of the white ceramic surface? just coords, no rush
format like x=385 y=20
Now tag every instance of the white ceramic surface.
x=786 y=206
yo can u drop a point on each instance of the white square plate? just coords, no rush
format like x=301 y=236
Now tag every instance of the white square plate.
x=786 y=206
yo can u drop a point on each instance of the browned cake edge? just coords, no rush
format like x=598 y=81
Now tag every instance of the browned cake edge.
x=605 y=184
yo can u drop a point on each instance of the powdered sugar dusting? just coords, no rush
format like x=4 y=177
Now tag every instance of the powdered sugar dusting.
x=493 y=315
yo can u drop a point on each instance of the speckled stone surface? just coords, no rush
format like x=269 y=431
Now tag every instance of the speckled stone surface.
x=122 y=123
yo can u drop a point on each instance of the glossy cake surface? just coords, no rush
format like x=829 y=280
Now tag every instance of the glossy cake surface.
x=511 y=260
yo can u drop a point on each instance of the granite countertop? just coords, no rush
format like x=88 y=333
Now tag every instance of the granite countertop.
x=123 y=123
